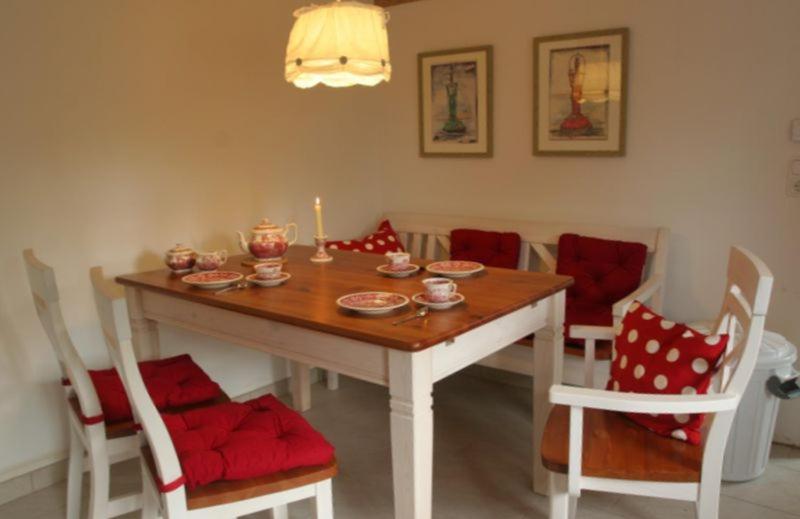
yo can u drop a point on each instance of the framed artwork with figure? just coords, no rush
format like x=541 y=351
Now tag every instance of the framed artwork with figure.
x=580 y=90
x=455 y=102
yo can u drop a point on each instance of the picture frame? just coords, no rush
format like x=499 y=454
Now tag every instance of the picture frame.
x=580 y=93
x=455 y=102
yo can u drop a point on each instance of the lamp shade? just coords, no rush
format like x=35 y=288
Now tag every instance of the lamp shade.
x=338 y=44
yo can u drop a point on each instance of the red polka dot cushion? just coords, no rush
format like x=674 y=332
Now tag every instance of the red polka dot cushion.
x=235 y=441
x=171 y=382
x=654 y=355
x=380 y=242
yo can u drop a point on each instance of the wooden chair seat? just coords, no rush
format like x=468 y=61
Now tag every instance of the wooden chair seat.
x=126 y=428
x=614 y=447
x=222 y=492
x=602 y=349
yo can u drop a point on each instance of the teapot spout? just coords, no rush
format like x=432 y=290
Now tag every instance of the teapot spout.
x=243 y=243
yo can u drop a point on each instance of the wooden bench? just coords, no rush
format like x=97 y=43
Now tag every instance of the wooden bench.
x=428 y=236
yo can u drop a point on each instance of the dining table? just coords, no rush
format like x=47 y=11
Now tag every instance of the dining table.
x=300 y=321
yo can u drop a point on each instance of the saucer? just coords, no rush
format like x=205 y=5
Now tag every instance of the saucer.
x=372 y=303
x=408 y=270
x=212 y=279
x=455 y=299
x=454 y=268
x=272 y=282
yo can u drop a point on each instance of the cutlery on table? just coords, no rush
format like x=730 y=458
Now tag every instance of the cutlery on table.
x=422 y=312
x=237 y=286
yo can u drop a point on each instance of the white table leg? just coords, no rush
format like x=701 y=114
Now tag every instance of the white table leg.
x=144 y=332
x=332 y=380
x=301 y=386
x=548 y=354
x=410 y=389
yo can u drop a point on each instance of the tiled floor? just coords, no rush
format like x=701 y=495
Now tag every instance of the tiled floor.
x=481 y=469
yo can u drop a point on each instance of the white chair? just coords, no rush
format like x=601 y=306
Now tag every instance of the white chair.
x=588 y=445
x=88 y=432
x=164 y=491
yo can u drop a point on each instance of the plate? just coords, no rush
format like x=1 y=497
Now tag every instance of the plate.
x=408 y=270
x=421 y=299
x=213 y=280
x=372 y=303
x=454 y=268
x=254 y=279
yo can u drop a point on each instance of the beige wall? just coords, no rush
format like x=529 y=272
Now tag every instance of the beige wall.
x=127 y=126
x=713 y=87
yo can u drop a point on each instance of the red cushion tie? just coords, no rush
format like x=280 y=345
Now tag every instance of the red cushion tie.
x=169 y=487
x=137 y=426
x=92 y=420
x=65 y=381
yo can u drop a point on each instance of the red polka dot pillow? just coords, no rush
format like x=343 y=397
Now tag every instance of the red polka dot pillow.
x=380 y=242
x=654 y=355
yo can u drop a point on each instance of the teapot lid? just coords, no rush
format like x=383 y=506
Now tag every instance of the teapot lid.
x=179 y=248
x=265 y=226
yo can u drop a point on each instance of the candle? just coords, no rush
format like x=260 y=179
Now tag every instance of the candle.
x=318 y=210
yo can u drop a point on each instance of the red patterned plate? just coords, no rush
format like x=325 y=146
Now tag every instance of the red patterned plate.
x=372 y=302
x=453 y=300
x=454 y=268
x=404 y=272
x=212 y=280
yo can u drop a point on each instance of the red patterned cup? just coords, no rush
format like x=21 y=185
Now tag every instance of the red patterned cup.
x=439 y=290
x=268 y=269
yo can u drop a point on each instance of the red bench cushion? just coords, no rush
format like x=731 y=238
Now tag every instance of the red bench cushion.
x=236 y=441
x=495 y=249
x=381 y=241
x=605 y=271
x=171 y=382
x=654 y=355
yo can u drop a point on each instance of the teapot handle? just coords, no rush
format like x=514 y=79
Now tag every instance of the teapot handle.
x=286 y=233
x=223 y=255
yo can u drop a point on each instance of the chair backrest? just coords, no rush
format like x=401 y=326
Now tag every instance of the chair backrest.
x=44 y=290
x=744 y=310
x=112 y=310
x=428 y=236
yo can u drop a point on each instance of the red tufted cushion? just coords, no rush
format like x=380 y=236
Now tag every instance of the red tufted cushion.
x=605 y=271
x=244 y=440
x=380 y=242
x=495 y=249
x=171 y=382
x=653 y=355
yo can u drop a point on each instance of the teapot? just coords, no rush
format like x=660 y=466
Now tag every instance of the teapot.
x=269 y=241
x=180 y=259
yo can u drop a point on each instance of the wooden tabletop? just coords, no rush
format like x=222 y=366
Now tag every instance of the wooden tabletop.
x=308 y=299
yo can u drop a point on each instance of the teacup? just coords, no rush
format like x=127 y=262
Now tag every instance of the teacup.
x=268 y=269
x=398 y=260
x=211 y=260
x=439 y=290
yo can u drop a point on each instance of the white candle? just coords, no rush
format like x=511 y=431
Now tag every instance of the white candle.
x=318 y=210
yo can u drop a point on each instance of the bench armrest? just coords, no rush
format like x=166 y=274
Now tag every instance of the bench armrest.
x=642 y=403
x=645 y=291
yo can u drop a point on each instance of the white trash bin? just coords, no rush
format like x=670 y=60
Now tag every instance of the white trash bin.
x=750 y=440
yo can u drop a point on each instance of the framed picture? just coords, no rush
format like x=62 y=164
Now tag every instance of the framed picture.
x=455 y=103
x=580 y=89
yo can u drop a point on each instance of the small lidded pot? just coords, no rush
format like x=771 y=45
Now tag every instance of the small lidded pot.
x=180 y=259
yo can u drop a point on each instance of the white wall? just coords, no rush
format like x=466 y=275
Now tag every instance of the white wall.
x=128 y=126
x=713 y=86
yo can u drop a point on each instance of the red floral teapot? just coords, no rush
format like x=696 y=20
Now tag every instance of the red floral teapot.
x=269 y=241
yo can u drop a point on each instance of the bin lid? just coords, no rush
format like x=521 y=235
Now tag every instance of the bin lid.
x=775 y=351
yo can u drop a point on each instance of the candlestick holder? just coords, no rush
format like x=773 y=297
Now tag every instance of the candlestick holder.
x=321 y=256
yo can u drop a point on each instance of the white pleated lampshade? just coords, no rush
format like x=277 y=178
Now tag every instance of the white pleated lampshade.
x=339 y=44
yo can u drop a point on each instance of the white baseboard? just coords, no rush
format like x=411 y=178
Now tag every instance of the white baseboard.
x=44 y=472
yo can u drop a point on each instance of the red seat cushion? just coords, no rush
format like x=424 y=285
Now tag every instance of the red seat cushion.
x=383 y=240
x=654 y=355
x=495 y=249
x=171 y=382
x=236 y=441
x=605 y=271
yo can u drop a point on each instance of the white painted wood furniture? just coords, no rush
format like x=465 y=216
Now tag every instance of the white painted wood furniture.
x=428 y=236
x=164 y=493
x=744 y=307
x=88 y=432
x=300 y=322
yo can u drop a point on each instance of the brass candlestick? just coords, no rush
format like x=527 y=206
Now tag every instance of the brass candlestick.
x=321 y=256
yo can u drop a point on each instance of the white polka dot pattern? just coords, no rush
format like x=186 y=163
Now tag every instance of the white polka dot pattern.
x=652 y=346
x=660 y=382
x=638 y=371
x=700 y=366
x=632 y=336
x=673 y=355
